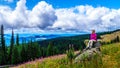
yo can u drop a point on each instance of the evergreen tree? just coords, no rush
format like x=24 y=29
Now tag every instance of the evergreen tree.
x=50 y=50
x=29 y=50
x=11 y=47
x=33 y=50
x=17 y=40
x=2 y=47
x=15 y=56
x=23 y=54
x=36 y=51
x=55 y=50
x=43 y=51
x=81 y=47
x=117 y=39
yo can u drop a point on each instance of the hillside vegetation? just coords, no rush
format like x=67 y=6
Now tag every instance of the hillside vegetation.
x=111 y=37
x=110 y=59
x=20 y=53
x=31 y=50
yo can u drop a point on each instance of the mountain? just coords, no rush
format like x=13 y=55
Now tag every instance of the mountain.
x=34 y=37
x=78 y=39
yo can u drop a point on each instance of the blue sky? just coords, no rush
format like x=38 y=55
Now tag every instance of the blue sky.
x=60 y=16
x=95 y=3
x=67 y=3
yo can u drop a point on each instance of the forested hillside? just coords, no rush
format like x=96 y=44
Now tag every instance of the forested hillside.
x=109 y=55
x=18 y=53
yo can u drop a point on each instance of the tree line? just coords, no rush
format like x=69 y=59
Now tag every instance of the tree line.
x=17 y=53
x=26 y=51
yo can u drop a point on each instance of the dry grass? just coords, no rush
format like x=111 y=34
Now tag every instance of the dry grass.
x=108 y=37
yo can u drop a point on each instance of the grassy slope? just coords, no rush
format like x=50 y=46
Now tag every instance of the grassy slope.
x=110 y=59
x=111 y=36
x=111 y=55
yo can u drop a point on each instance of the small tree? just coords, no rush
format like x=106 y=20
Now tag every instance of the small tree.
x=70 y=53
x=117 y=39
x=17 y=39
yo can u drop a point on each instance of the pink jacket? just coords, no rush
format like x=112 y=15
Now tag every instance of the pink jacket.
x=93 y=36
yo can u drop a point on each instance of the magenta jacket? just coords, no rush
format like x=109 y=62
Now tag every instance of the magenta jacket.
x=93 y=36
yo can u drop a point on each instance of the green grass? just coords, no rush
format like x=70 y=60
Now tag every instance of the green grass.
x=110 y=58
x=111 y=55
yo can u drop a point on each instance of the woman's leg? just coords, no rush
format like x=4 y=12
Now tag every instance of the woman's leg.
x=89 y=44
x=92 y=43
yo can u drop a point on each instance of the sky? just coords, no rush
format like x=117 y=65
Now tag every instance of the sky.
x=59 y=16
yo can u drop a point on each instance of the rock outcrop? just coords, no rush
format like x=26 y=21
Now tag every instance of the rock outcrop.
x=88 y=53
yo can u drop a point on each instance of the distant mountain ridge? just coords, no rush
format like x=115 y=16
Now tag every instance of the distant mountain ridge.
x=54 y=37
x=78 y=38
x=34 y=37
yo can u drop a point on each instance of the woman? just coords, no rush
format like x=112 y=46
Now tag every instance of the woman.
x=93 y=38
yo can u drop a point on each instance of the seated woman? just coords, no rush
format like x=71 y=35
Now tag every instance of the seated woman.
x=93 y=38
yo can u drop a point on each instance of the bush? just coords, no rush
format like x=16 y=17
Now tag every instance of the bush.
x=70 y=53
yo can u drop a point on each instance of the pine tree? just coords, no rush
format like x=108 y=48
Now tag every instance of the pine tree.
x=3 y=48
x=117 y=39
x=33 y=50
x=43 y=51
x=23 y=54
x=50 y=50
x=15 y=56
x=11 y=47
x=55 y=50
x=0 y=48
x=29 y=50
x=17 y=40
x=36 y=50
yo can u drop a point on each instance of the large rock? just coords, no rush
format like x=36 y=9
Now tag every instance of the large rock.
x=89 y=53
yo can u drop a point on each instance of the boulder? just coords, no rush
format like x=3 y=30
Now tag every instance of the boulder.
x=88 y=53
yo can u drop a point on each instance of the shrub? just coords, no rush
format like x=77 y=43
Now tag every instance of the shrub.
x=70 y=53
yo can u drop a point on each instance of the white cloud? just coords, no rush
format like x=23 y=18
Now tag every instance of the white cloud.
x=43 y=17
x=85 y=18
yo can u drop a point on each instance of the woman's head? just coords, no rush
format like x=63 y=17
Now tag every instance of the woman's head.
x=93 y=31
